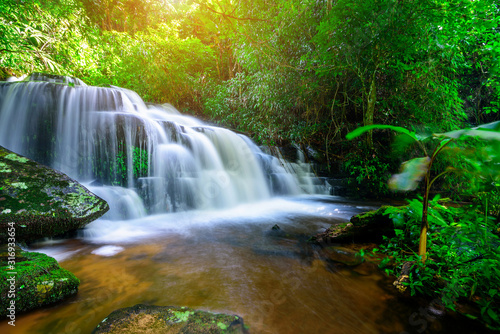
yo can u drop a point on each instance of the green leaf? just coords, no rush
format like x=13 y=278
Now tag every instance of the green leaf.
x=489 y=131
x=493 y=315
x=411 y=174
x=359 y=131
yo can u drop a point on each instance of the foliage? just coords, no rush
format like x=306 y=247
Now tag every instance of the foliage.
x=294 y=70
x=368 y=173
x=347 y=62
x=384 y=44
x=464 y=256
x=140 y=161
x=115 y=170
x=157 y=64
x=413 y=170
x=462 y=244
x=40 y=35
x=227 y=105
x=128 y=15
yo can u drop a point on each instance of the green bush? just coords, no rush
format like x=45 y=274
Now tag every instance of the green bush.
x=368 y=174
x=463 y=263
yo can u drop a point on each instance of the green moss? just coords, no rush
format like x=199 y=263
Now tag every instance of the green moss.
x=369 y=217
x=15 y=157
x=182 y=316
x=4 y=168
x=169 y=319
x=369 y=226
x=38 y=280
x=44 y=201
x=222 y=326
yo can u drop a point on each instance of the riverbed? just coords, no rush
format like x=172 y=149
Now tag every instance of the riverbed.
x=231 y=261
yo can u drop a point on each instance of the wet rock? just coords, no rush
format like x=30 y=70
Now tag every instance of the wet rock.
x=56 y=79
x=168 y=319
x=365 y=227
x=401 y=283
x=29 y=280
x=336 y=186
x=37 y=201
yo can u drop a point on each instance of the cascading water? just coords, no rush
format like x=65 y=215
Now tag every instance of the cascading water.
x=140 y=158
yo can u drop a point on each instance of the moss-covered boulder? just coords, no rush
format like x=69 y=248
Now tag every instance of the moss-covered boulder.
x=365 y=227
x=37 y=201
x=29 y=280
x=153 y=319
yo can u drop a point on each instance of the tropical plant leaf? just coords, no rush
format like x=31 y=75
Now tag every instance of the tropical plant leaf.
x=489 y=131
x=412 y=172
x=359 y=131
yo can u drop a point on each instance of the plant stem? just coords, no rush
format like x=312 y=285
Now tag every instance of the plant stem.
x=424 y=227
x=422 y=247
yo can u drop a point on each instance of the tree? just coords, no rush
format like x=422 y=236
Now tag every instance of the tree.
x=42 y=36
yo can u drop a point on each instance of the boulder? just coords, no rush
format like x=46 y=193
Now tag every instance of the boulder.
x=37 y=201
x=153 y=319
x=29 y=280
x=363 y=228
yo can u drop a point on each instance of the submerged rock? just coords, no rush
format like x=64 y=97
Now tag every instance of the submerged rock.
x=168 y=319
x=29 y=280
x=37 y=201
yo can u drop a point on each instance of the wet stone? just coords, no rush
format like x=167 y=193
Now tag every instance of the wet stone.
x=37 y=201
x=168 y=319
x=29 y=280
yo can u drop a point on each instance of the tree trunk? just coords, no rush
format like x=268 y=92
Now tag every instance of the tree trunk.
x=370 y=109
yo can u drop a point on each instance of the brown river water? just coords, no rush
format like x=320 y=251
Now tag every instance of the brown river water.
x=233 y=262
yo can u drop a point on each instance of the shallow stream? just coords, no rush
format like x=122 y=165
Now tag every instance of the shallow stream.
x=231 y=261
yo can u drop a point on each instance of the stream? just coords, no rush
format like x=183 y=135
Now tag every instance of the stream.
x=231 y=261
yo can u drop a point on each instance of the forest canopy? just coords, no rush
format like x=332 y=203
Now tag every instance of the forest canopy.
x=412 y=76
x=306 y=71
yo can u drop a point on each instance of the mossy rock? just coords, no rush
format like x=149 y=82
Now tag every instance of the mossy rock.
x=29 y=280
x=365 y=227
x=153 y=319
x=37 y=201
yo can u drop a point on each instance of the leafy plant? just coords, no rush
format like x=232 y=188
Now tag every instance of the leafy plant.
x=463 y=265
x=414 y=170
x=140 y=160
x=368 y=173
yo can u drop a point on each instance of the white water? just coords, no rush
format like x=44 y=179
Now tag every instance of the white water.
x=278 y=210
x=141 y=159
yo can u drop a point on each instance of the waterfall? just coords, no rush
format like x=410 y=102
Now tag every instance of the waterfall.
x=140 y=158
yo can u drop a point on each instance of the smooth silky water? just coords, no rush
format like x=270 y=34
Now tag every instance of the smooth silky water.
x=190 y=224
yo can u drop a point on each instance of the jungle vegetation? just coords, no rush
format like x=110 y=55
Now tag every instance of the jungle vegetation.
x=309 y=72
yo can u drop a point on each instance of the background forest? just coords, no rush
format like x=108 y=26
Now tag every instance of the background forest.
x=304 y=72
x=308 y=72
